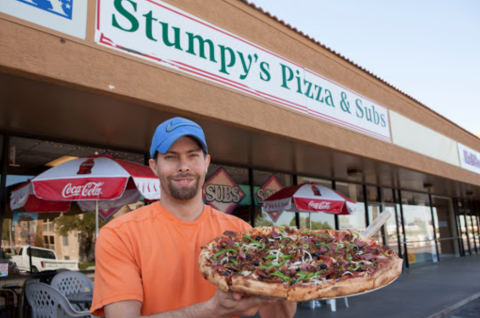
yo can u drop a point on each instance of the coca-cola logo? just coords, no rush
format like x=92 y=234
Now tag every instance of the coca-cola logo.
x=91 y=189
x=319 y=205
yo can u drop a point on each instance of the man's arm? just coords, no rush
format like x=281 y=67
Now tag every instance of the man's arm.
x=280 y=309
x=223 y=304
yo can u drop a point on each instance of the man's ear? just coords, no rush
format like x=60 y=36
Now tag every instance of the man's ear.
x=207 y=163
x=153 y=165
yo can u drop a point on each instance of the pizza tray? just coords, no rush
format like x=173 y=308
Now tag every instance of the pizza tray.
x=358 y=294
x=343 y=296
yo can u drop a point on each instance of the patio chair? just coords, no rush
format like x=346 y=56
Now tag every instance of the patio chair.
x=69 y=283
x=47 y=302
x=72 y=283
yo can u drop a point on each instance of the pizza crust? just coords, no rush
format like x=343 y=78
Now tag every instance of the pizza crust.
x=248 y=285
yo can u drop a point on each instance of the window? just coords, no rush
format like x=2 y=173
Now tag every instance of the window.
x=357 y=220
x=30 y=157
x=418 y=224
x=266 y=183
x=41 y=253
x=320 y=220
x=227 y=189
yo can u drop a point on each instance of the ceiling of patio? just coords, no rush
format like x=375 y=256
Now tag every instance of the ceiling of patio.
x=62 y=114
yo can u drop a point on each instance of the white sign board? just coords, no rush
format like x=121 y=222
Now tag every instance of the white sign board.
x=66 y=16
x=159 y=32
x=469 y=159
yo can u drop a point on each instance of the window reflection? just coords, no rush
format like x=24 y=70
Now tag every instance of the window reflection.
x=265 y=184
x=68 y=236
x=418 y=228
x=357 y=220
x=320 y=220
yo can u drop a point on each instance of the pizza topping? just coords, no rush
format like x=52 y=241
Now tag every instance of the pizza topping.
x=222 y=252
x=277 y=255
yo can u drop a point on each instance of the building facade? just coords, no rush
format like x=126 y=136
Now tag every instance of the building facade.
x=278 y=108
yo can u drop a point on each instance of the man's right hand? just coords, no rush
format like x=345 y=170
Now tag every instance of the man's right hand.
x=230 y=304
x=222 y=304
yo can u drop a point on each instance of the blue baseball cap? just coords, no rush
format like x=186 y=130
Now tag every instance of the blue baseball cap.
x=171 y=130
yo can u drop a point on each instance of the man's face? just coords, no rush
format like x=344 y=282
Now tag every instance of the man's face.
x=181 y=170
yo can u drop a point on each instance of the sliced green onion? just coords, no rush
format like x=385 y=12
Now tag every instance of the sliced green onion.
x=281 y=275
x=223 y=251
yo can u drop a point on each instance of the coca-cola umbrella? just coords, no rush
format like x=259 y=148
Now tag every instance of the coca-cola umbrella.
x=98 y=182
x=309 y=197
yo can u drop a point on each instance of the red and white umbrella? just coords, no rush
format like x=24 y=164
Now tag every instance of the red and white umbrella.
x=309 y=197
x=98 y=182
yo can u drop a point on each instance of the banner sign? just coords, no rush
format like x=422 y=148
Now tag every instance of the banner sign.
x=469 y=159
x=221 y=192
x=66 y=16
x=158 y=32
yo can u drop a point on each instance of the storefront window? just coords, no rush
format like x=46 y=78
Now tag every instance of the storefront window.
x=391 y=234
x=463 y=228
x=67 y=236
x=374 y=209
x=418 y=228
x=320 y=220
x=265 y=184
x=445 y=231
x=227 y=189
x=357 y=220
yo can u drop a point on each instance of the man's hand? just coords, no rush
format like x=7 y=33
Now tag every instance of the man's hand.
x=229 y=304
x=222 y=304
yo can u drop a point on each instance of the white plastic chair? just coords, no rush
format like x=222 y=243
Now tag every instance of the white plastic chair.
x=69 y=283
x=333 y=304
x=47 y=302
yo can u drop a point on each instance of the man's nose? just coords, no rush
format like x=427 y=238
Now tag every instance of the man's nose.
x=183 y=167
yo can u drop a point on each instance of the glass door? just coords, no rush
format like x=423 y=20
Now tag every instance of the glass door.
x=444 y=221
x=391 y=234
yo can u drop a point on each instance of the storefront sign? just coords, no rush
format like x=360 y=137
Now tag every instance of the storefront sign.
x=270 y=187
x=66 y=16
x=159 y=32
x=469 y=159
x=221 y=192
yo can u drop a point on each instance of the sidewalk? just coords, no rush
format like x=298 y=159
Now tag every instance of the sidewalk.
x=419 y=292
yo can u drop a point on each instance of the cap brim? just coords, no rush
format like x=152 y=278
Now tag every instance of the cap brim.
x=167 y=143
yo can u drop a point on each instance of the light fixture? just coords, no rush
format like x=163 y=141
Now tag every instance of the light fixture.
x=354 y=173
x=59 y=161
x=428 y=186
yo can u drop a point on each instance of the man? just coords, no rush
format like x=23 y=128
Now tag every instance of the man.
x=147 y=260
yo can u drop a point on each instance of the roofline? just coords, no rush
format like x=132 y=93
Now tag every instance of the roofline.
x=260 y=9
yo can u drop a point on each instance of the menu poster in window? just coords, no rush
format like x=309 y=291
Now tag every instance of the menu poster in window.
x=270 y=187
x=24 y=227
x=221 y=192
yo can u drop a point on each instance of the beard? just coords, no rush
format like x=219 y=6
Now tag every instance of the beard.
x=183 y=193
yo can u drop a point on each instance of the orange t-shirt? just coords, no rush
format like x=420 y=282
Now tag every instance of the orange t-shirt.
x=151 y=256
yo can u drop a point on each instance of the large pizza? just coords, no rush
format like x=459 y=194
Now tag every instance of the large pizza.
x=298 y=265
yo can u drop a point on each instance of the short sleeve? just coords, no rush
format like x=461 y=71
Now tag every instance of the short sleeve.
x=117 y=275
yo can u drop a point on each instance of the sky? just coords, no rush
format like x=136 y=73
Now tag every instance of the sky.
x=428 y=49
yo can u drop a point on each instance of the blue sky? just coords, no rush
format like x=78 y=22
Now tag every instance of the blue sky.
x=428 y=49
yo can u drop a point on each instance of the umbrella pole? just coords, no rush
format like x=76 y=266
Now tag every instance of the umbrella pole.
x=310 y=219
x=96 y=219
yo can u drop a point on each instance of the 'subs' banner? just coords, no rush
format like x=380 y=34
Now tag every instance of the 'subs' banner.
x=159 y=32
